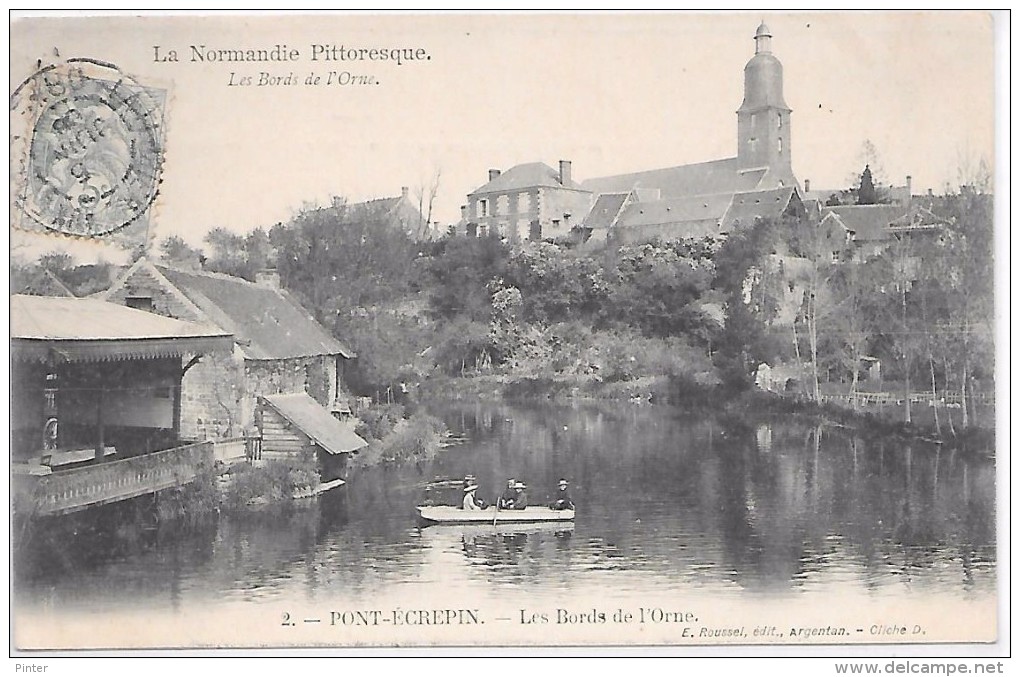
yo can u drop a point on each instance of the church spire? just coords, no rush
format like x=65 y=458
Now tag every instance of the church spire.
x=763 y=119
x=763 y=40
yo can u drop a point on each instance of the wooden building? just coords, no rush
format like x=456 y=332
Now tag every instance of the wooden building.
x=96 y=395
x=278 y=349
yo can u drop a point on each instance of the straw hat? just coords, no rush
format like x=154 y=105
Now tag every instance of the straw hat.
x=469 y=488
x=520 y=485
x=563 y=483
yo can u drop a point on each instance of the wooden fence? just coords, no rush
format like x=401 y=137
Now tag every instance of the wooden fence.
x=888 y=398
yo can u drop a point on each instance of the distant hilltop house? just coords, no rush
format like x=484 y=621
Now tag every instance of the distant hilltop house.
x=284 y=374
x=399 y=211
x=533 y=201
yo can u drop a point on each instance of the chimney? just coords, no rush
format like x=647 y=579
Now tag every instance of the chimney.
x=807 y=185
x=463 y=212
x=493 y=173
x=564 y=172
x=910 y=186
x=268 y=277
x=404 y=190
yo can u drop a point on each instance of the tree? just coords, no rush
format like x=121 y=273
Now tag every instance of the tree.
x=175 y=251
x=427 y=192
x=866 y=194
x=456 y=273
x=338 y=258
x=226 y=253
x=744 y=342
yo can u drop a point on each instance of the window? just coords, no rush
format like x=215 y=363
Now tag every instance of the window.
x=835 y=257
x=483 y=206
x=536 y=231
x=780 y=118
x=752 y=120
x=780 y=145
x=139 y=303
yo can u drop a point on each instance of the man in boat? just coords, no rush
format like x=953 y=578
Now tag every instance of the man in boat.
x=520 y=496
x=562 y=500
x=472 y=502
x=509 y=495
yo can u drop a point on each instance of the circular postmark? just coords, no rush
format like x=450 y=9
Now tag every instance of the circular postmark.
x=86 y=148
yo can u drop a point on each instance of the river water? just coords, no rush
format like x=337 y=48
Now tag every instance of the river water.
x=723 y=520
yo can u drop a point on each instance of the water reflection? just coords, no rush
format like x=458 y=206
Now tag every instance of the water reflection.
x=665 y=502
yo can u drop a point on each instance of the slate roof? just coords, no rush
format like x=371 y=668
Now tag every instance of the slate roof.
x=677 y=210
x=747 y=207
x=703 y=178
x=604 y=212
x=91 y=329
x=529 y=175
x=316 y=423
x=268 y=323
x=47 y=284
x=868 y=222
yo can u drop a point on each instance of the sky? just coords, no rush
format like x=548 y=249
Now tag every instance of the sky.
x=612 y=93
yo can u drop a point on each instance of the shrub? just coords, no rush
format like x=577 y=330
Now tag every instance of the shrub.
x=412 y=440
x=379 y=420
x=193 y=500
x=273 y=483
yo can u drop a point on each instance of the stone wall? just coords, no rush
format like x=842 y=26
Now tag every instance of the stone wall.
x=219 y=393
x=314 y=375
x=211 y=395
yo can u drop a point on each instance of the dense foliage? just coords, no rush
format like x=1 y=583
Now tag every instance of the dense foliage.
x=702 y=312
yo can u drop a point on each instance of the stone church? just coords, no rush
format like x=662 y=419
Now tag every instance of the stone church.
x=534 y=201
x=710 y=198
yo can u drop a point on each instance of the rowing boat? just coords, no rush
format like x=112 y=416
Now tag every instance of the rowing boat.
x=445 y=514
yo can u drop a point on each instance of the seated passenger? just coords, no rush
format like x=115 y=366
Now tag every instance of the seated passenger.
x=562 y=500
x=520 y=501
x=472 y=502
x=509 y=495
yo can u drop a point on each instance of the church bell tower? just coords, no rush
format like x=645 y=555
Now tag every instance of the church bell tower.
x=763 y=119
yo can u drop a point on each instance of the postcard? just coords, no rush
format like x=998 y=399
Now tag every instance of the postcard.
x=526 y=330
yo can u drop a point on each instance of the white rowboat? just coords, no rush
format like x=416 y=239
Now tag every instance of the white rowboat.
x=445 y=514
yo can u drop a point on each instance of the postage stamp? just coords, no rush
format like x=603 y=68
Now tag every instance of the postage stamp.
x=86 y=149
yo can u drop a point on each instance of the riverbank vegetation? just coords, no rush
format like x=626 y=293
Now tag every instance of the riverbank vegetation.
x=396 y=438
x=899 y=327
x=274 y=482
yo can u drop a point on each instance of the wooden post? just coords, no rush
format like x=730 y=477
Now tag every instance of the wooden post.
x=51 y=387
x=176 y=386
x=100 y=442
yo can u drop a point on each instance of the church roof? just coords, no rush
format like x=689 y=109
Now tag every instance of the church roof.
x=528 y=175
x=605 y=211
x=677 y=210
x=703 y=178
x=747 y=207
